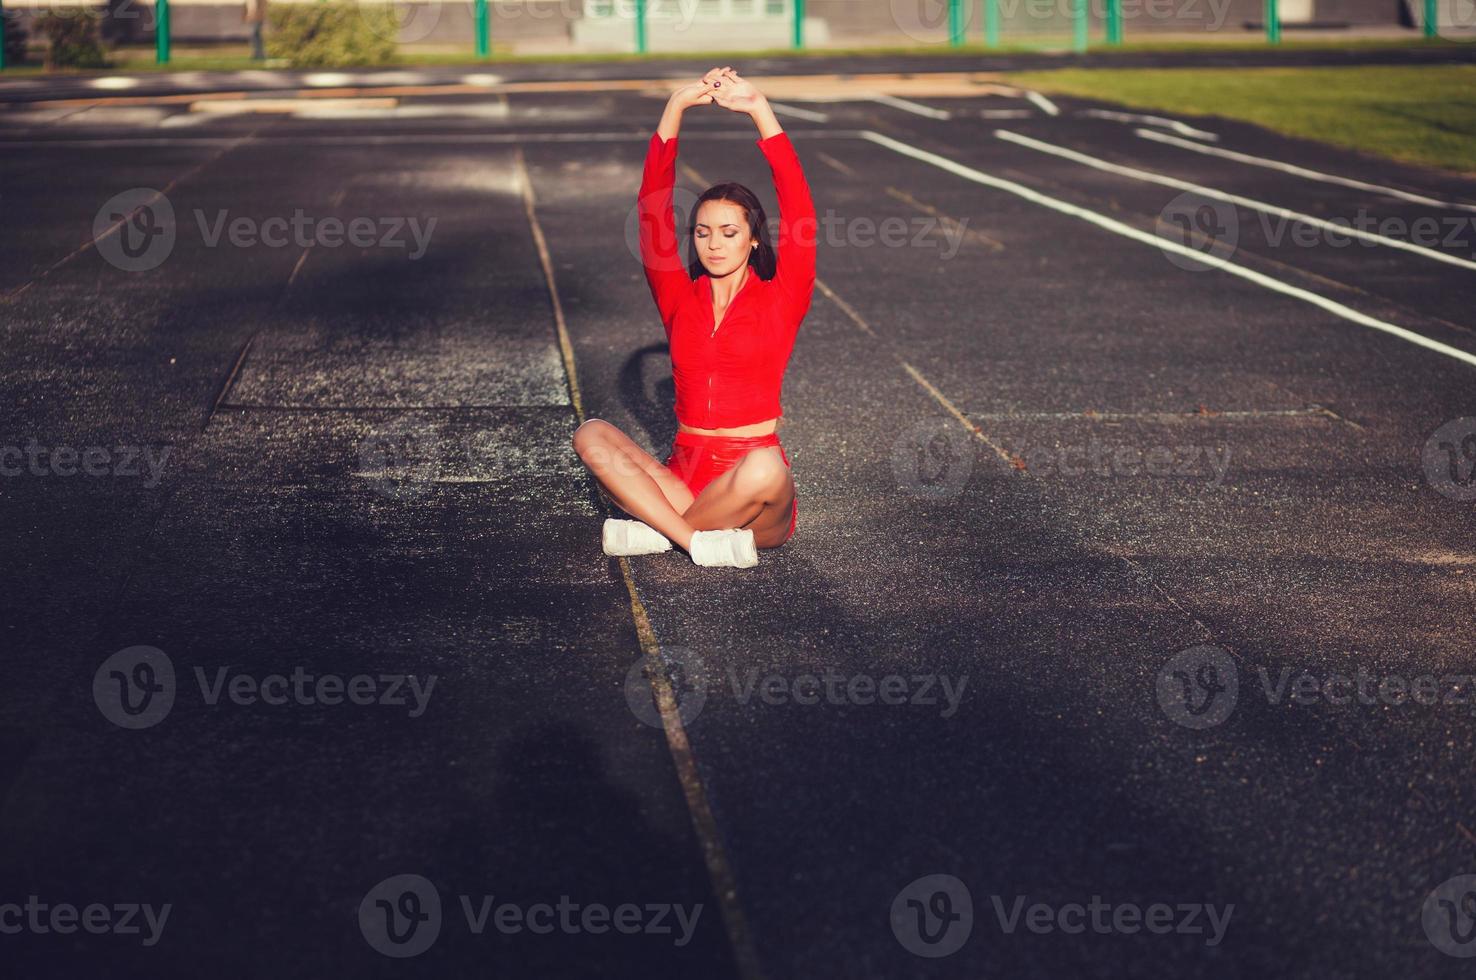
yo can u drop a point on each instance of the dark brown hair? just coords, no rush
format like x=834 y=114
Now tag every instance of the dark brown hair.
x=762 y=259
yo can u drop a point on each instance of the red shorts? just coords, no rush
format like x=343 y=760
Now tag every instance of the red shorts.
x=699 y=459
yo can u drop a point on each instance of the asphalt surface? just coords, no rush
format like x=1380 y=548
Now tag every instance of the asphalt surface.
x=368 y=472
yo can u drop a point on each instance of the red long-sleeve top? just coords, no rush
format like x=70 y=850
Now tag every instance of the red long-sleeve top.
x=729 y=376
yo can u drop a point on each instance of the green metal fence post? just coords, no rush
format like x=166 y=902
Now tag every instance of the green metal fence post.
x=1079 y=26
x=2 y=34
x=991 y=23
x=1273 y=22
x=161 y=31
x=799 y=24
x=640 y=26
x=955 y=23
x=482 y=23
x=1114 y=21
x=1432 y=19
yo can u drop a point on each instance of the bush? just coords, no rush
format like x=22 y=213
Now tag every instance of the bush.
x=73 y=38
x=15 y=37
x=332 y=33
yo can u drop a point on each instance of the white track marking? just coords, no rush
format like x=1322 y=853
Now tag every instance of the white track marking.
x=328 y=79
x=1174 y=124
x=1046 y=105
x=1168 y=244
x=798 y=113
x=1245 y=202
x=113 y=82
x=908 y=105
x=1289 y=168
x=1005 y=113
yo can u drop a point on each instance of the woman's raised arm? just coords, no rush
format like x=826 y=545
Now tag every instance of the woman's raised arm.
x=798 y=227
x=666 y=274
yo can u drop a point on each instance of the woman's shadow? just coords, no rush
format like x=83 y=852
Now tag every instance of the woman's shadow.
x=648 y=394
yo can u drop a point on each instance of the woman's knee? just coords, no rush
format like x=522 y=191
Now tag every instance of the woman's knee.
x=591 y=434
x=762 y=474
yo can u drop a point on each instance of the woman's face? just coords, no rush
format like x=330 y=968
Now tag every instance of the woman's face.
x=723 y=241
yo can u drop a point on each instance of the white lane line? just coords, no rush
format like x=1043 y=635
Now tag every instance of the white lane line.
x=1174 y=124
x=1289 y=168
x=1127 y=231
x=114 y=83
x=907 y=105
x=798 y=113
x=327 y=79
x=1005 y=113
x=1245 y=202
x=1045 y=104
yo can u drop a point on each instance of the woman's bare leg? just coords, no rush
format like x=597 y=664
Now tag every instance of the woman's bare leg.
x=757 y=493
x=643 y=487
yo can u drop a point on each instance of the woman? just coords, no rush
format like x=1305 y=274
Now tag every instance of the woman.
x=731 y=316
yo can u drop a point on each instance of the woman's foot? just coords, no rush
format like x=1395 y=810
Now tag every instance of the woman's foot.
x=731 y=548
x=632 y=538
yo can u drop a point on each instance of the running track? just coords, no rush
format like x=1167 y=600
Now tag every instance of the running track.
x=370 y=472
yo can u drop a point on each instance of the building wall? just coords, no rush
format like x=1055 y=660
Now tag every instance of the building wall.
x=900 y=22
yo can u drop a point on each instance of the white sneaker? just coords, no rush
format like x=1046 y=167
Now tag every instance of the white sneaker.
x=632 y=538
x=731 y=548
